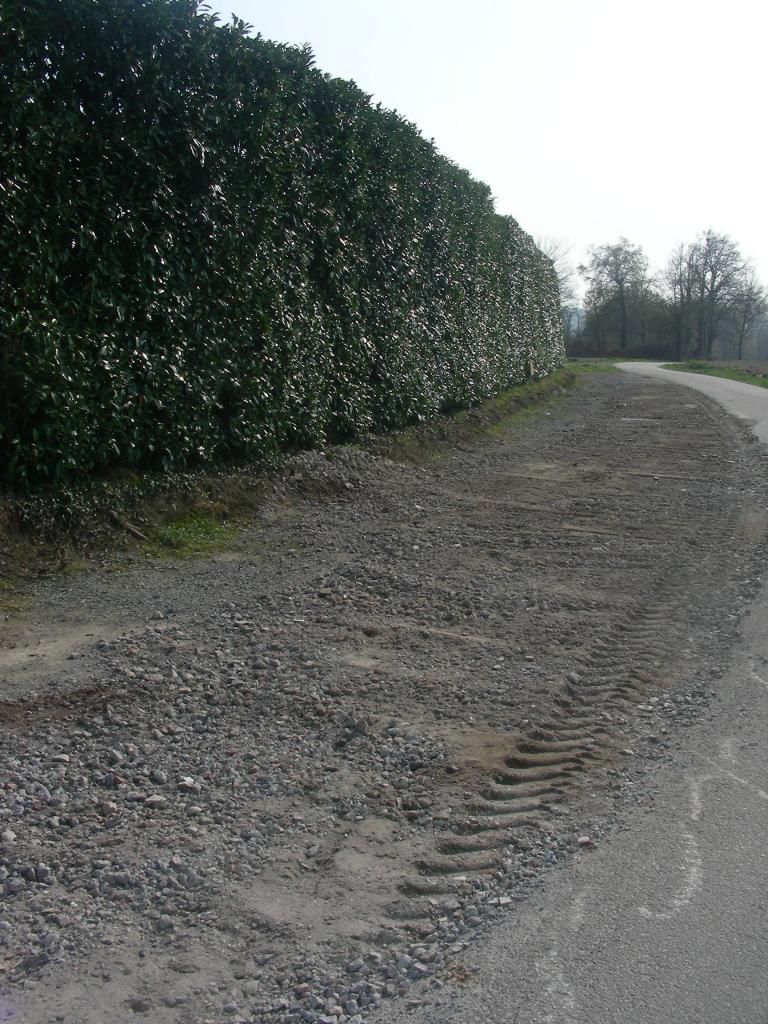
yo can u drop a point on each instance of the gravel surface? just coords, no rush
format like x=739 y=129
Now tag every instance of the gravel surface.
x=296 y=781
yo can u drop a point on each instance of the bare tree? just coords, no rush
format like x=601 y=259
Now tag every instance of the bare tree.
x=749 y=305
x=718 y=268
x=596 y=302
x=559 y=252
x=679 y=282
x=613 y=271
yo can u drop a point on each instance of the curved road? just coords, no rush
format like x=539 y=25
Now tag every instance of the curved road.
x=666 y=923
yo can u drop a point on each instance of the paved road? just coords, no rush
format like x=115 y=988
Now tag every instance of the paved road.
x=668 y=920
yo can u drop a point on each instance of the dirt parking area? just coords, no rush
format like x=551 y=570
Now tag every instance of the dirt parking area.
x=295 y=781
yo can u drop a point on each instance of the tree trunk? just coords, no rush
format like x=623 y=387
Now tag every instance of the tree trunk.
x=742 y=336
x=677 y=350
x=701 y=331
x=623 y=319
x=710 y=329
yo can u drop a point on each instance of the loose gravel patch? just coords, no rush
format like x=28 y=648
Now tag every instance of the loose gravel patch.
x=293 y=781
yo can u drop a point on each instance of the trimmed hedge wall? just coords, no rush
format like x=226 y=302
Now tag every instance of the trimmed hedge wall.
x=212 y=250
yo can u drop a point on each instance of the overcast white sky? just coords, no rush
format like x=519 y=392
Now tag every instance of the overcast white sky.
x=589 y=119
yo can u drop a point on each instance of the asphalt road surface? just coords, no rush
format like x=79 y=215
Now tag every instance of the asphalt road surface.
x=665 y=921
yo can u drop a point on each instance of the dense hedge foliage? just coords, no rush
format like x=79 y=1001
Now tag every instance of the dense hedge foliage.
x=211 y=250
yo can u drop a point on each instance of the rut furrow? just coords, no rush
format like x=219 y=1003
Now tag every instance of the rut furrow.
x=542 y=766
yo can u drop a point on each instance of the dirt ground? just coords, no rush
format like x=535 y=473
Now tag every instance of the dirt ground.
x=292 y=782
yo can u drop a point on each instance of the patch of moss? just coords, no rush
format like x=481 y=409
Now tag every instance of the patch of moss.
x=192 y=533
x=12 y=600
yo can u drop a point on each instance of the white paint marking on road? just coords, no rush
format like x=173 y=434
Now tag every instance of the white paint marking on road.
x=697 y=804
x=691 y=861
x=558 y=997
x=557 y=1002
x=727 y=753
x=693 y=882
x=757 y=677
x=737 y=778
x=578 y=911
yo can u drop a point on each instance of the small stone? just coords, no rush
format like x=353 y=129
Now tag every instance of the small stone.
x=164 y=923
x=418 y=970
x=584 y=841
x=8 y=836
x=42 y=873
x=159 y=776
x=155 y=800
x=139 y=1005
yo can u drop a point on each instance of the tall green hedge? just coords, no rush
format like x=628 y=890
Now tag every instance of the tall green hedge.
x=209 y=249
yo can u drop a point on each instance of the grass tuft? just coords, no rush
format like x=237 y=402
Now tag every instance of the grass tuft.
x=192 y=533
x=729 y=372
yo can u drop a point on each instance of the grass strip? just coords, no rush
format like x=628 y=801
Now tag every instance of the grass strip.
x=697 y=366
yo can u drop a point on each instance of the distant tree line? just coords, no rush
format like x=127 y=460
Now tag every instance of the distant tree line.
x=707 y=303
